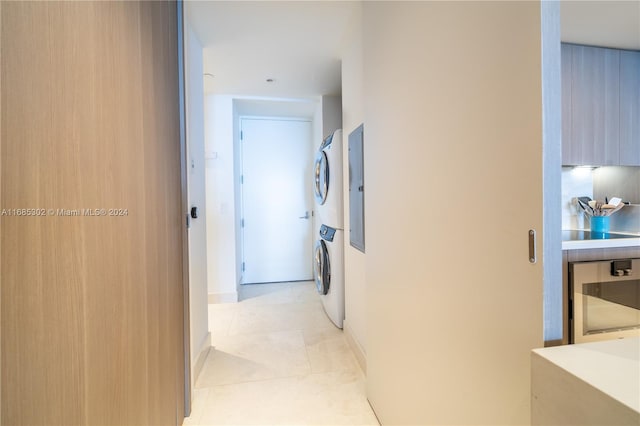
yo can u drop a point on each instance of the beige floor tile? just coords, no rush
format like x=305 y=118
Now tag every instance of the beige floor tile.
x=315 y=399
x=276 y=293
x=279 y=317
x=243 y=358
x=265 y=294
x=221 y=316
x=328 y=351
x=279 y=360
x=199 y=399
x=304 y=292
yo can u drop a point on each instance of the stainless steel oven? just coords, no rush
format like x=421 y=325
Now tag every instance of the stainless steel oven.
x=604 y=300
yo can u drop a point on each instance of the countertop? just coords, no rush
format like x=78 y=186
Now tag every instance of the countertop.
x=632 y=241
x=610 y=366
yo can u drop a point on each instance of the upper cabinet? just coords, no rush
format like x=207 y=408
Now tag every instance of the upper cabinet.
x=629 y=108
x=594 y=106
x=567 y=69
x=600 y=106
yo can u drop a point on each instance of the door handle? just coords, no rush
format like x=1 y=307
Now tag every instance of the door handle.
x=306 y=215
x=533 y=257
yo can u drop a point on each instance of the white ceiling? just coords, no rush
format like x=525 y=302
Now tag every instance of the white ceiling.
x=601 y=23
x=298 y=43
x=295 y=43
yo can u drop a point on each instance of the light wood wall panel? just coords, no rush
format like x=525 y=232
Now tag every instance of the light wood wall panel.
x=0 y=226
x=91 y=306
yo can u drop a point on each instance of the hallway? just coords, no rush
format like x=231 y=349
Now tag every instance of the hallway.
x=277 y=359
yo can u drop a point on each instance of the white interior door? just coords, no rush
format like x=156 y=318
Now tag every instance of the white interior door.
x=276 y=200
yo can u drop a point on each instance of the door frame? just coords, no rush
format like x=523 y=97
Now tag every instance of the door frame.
x=185 y=208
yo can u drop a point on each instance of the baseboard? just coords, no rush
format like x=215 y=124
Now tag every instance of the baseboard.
x=355 y=346
x=223 y=297
x=202 y=356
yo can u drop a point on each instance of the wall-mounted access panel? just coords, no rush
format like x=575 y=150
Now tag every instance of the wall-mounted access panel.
x=356 y=188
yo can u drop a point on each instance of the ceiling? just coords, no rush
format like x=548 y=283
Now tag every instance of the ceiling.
x=601 y=23
x=297 y=44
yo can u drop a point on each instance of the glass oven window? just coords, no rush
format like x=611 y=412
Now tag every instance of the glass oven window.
x=610 y=306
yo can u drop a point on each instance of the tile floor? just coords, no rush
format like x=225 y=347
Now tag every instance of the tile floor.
x=278 y=360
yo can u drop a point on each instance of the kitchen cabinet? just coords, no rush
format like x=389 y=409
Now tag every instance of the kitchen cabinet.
x=594 y=105
x=600 y=106
x=567 y=68
x=629 y=108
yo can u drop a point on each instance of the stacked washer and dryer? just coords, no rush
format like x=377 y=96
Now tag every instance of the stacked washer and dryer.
x=329 y=248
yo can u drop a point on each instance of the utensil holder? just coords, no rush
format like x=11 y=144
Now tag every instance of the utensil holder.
x=600 y=224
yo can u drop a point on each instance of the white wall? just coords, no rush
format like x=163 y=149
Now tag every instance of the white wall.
x=576 y=182
x=331 y=114
x=355 y=325
x=221 y=232
x=198 y=311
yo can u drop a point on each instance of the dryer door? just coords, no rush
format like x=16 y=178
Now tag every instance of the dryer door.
x=322 y=267
x=321 y=175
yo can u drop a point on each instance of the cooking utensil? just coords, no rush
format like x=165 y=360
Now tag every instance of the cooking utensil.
x=615 y=209
x=615 y=201
x=597 y=208
x=584 y=199
x=585 y=206
x=609 y=209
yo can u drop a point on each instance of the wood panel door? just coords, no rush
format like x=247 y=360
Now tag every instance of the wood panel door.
x=92 y=294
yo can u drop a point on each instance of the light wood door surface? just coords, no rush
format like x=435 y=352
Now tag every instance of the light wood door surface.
x=92 y=306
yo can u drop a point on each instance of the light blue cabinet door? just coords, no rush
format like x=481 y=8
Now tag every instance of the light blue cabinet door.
x=566 y=67
x=595 y=106
x=629 y=108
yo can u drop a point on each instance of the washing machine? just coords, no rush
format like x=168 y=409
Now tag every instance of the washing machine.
x=328 y=181
x=329 y=272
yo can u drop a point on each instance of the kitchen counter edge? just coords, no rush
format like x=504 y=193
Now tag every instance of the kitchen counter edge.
x=610 y=366
x=604 y=243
